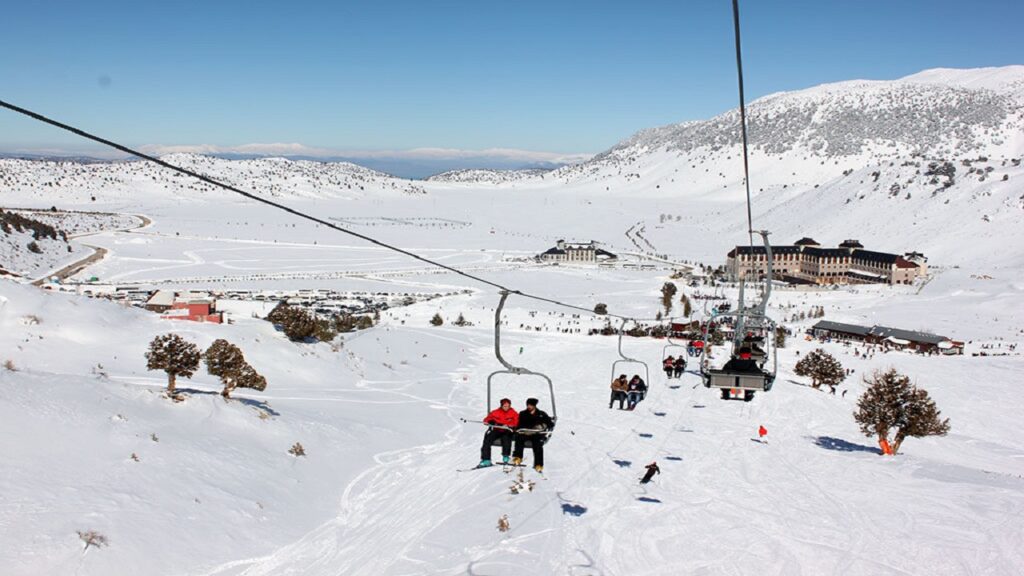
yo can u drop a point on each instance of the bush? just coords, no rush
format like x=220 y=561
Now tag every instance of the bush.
x=296 y=323
x=175 y=356
x=892 y=402
x=822 y=368
x=437 y=320
x=601 y=308
x=461 y=321
x=225 y=361
x=668 y=292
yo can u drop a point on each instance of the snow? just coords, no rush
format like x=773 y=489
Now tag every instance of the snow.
x=212 y=489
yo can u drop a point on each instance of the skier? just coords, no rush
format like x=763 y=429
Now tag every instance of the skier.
x=668 y=364
x=535 y=421
x=761 y=433
x=637 y=389
x=679 y=366
x=508 y=419
x=652 y=469
x=619 y=388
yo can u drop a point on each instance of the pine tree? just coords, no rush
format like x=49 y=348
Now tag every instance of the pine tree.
x=893 y=402
x=687 y=308
x=822 y=368
x=437 y=320
x=668 y=292
x=174 y=355
x=248 y=377
x=601 y=308
x=225 y=361
x=780 y=337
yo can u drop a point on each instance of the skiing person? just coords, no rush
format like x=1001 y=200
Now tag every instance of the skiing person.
x=668 y=364
x=762 y=432
x=679 y=366
x=536 y=421
x=636 y=389
x=505 y=417
x=652 y=469
x=619 y=388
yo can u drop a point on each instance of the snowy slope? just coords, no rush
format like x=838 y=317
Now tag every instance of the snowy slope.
x=217 y=493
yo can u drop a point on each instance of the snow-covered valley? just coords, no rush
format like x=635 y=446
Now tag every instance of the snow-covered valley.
x=208 y=486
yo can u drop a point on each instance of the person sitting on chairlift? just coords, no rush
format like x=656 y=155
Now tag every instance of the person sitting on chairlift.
x=636 y=391
x=668 y=365
x=532 y=422
x=742 y=363
x=619 y=388
x=679 y=366
x=500 y=425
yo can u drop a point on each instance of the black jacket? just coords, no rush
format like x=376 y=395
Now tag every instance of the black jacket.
x=539 y=420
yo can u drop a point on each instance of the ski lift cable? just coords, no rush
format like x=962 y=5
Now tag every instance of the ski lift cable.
x=743 y=120
x=300 y=214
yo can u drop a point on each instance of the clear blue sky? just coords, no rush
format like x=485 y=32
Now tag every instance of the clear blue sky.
x=538 y=75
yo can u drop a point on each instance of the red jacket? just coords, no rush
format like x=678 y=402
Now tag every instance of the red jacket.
x=508 y=417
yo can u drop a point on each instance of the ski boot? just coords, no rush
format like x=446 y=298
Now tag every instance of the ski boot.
x=484 y=464
x=539 y=468
x=504 y=459
x=517 y=461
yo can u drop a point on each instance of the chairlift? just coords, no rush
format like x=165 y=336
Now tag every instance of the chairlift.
x=623 y=359
x=745 y=372
x=516 y=371
x=666 y=351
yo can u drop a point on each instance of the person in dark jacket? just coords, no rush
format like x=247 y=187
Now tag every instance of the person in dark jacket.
x=679 y=366
x=501 y=422
x=652 y=469
x=637 y=389
x=532 y=422
x=668 y=364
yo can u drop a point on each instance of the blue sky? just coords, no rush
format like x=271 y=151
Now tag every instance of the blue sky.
x=546 y=76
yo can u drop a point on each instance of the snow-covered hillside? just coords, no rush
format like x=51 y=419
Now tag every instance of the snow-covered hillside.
x=208 y=487
x=487 y=176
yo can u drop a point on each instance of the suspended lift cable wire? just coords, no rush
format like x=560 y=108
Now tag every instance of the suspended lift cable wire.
x=743 y=120
x=303 y=215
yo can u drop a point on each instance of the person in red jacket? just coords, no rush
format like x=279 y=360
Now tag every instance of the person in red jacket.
x=501 y=422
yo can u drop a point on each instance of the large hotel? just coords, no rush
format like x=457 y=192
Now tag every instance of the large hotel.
x=806 y=262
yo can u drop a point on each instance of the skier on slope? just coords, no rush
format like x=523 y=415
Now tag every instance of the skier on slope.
x=652 y=469
x=503 y=416
x=531 y=422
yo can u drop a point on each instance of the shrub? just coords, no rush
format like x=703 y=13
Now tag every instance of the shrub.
x=225 y=361
x=822 y=368
x=175 y=356
x=601 y=308
x=437 y=320
x=892 y=402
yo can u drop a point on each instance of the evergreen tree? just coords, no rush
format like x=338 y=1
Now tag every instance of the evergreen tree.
x=822 y=368
x=248 y=377
x=174 y=355
x=601 y=308
x=687 y=308
x=668 y=292
x=437 y=320
x=225 y=361
x=893 y=402
x=780 y=337
x=296 y=323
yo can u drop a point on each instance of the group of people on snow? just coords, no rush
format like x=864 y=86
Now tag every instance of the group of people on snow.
x=674 y=367
x=507 y=427
x=629 y=392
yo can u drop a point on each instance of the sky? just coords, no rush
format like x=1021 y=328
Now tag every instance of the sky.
x=537 y=81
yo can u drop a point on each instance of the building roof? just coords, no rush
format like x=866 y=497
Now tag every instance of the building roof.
x=805 y=241
x=902 y=263
x=827 y=252
x=840 y=327
x=554 y=251
x=880 y=257
x=161 y=298
x=909 y=335
x=761 y=250
x=851 y=244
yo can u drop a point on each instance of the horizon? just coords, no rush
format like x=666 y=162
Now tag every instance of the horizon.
x=417 y=90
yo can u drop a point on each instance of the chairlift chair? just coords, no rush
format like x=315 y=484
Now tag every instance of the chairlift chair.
x=623 y=359
x=739 y=375
x=516 y=371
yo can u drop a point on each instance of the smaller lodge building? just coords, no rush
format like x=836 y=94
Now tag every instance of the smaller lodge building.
x=588 y=252
x=922 y=342
x=193 y=306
